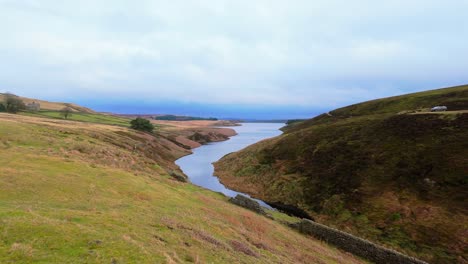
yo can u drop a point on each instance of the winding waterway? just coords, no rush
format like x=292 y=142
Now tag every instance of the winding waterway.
x=199 y=168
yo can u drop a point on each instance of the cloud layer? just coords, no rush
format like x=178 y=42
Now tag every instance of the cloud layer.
x=312 y=54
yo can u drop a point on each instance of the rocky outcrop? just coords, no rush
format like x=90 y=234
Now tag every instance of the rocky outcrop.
x=205 y=137
x=190 y=138
x=352 y=244
x=226 y=123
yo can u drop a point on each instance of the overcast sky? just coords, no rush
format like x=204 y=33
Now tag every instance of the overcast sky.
x=253 y=58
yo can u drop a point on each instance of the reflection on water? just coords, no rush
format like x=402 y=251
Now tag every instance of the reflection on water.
x=198 y=166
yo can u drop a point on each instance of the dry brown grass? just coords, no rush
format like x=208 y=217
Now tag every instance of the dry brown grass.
x=22 y=249
x=56 y=106
x=241 y=247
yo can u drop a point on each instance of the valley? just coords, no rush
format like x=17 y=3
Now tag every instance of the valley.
x=84 y=192
x=388 y=170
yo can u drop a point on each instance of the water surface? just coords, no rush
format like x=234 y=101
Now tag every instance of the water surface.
x=199 y=168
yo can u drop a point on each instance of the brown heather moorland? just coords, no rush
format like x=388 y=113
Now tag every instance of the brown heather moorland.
x=387 y=170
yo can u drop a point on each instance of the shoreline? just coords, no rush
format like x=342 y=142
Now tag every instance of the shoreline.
x=193 y=134
x=226 y=190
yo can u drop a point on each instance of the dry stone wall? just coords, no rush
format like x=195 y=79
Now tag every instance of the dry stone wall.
x=354 y=245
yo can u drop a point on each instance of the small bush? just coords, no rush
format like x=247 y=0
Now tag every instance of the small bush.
x=141 y=124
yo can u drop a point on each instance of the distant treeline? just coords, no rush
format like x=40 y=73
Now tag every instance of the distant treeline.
x=182 y=118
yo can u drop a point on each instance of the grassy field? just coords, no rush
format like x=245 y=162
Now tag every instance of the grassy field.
x=387 y=170
x=75 y=192
x=83 y=117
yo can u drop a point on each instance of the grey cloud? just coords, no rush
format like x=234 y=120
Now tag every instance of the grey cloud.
x=308 y=53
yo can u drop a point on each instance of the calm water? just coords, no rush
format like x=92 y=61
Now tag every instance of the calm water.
x=198 y=166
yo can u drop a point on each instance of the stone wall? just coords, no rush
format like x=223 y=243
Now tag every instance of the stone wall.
x=178 y=176
x=352 y=244
x=248 y=203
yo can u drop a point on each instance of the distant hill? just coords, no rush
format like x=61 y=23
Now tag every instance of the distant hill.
x=78 y=113
x=55 y=106
x=182 y=118
x=388 y=170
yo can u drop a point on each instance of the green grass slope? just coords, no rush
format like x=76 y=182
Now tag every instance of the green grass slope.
x=83 y=117
x=74 y=192
x=387 y=170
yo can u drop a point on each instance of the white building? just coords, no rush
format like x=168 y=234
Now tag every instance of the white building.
x=440 y=108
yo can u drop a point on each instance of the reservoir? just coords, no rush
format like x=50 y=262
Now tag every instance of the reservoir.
x=199 y=168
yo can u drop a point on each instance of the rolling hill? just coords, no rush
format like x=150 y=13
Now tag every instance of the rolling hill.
x=388 y=170
x=87 y=192
x=53 y=106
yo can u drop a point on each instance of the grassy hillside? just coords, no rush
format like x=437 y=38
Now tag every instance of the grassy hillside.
x=77 y=112
x=75 y=192
x=387 y=170
x=455 y=98
x=53 y=106
x=83 y=117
